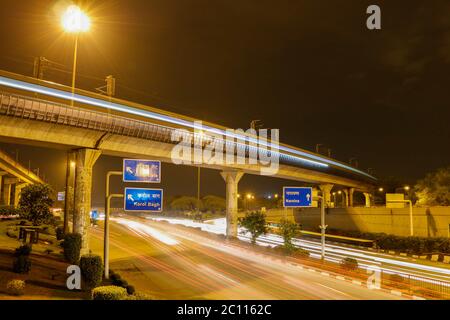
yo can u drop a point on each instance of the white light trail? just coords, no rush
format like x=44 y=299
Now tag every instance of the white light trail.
x=322 y=162
x=143 y=228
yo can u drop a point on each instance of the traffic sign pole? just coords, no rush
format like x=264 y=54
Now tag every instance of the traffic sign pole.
x=323 y=227
x=106 y=223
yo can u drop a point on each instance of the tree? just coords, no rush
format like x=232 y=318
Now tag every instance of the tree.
x=434 y=189
x=288 y=230
x=255 y=223
x=213 y=203
x=185 y=204
x=35 y=203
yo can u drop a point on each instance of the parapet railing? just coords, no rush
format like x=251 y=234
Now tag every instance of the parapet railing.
x=25 y=107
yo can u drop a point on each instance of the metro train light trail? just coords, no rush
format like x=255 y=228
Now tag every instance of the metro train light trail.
x=153 y=115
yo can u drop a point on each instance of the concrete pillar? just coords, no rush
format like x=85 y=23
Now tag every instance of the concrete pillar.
x=232 y=178
x=326 y=193
x=350 y=196
x=367 y=196
x=69 y=192
x=17 y=193
x=7 y=188
x=85 y=160
x=1 y=189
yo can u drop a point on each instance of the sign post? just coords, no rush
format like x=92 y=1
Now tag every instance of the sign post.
x=106 y=226
x=302 y=197
x=134 y=170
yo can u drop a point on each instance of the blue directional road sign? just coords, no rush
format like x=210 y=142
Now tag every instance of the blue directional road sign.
x=135 y=170
x=141 y=199
x=297 y=197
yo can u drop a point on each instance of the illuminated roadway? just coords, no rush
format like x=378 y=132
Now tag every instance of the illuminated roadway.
x=406 y=266
x=171 y=263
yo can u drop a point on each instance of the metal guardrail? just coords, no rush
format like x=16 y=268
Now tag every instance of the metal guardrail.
x=25 y=107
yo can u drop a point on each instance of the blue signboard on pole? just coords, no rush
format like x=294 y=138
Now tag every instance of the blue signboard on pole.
x=297 y=197
x=135 y=170
x=142 y=199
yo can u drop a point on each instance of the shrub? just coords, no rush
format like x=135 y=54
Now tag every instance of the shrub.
x=121 y=283
x=22 y=264
x=91 y=269
x=59 y=233
x=288 y=230
x=349 y=264
x=255 y=223
x=130 y=289
x=24 y=250
x=72 y=247
x=115 y=277
x=109 y=293
x=15 y=287
x=138 y=296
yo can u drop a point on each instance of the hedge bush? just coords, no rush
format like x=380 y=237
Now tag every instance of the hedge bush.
x=59 y=232
x=91 y=266
x=130 y=289
x=412 y=245
x=15 y=287
x=72 y=247
x=109 y=293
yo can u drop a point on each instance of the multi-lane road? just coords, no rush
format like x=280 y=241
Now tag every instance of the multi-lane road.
x=420 y=270
x=170 y=262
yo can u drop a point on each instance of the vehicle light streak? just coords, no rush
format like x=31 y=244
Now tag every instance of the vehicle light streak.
x=139 y=227
x=317 y=160
x=335 y=253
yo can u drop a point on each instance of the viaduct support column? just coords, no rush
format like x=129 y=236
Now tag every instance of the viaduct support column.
x=17 y=193
x=69 y=196
x=1 y=188
x=326 y=193
x=85 y=160
x=346 y=196
x=232 y=178
x=7 y=188
x=350 y=196
x=367 y=196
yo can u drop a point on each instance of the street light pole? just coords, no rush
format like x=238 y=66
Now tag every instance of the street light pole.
x=108 y=198
x=74 y=70
x=75 y=21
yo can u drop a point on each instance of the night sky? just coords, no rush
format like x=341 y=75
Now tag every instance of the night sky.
x=310 y=68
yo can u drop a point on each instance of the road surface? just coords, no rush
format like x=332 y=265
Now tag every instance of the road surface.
x=423 y=270
x=170 y=263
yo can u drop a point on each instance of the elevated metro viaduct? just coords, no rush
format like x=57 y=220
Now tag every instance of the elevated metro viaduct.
x=87 y=125
x=13 y=177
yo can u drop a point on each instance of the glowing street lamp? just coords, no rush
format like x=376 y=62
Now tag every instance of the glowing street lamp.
x=75 y=21
x=406 y=188
x=380 y=189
